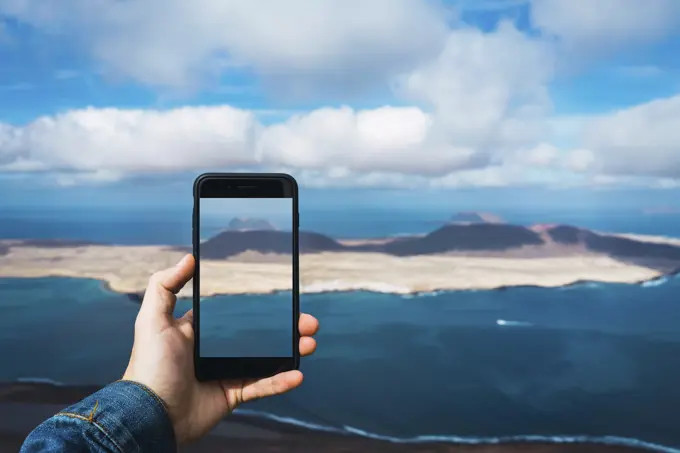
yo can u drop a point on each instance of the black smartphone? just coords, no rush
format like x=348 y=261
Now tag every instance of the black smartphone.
x=245 y=287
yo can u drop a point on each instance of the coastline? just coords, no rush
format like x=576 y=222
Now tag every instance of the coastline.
x=137 y=297
x=126 y=270
x=252 y=433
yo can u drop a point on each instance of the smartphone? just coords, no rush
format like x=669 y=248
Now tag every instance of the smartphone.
x=245 y=285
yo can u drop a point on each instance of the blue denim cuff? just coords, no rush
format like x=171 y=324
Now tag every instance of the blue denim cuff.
x=130 y=415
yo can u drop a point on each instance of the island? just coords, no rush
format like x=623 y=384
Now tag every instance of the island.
x=240 y=224
x=256 y=259
x=465 y=217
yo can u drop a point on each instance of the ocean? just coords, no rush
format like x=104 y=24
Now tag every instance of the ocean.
x=137 y=226
x=594 y=360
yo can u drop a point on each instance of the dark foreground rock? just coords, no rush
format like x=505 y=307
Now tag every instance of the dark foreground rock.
x=25 y=405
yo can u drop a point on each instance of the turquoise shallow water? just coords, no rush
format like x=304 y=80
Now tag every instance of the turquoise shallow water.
x=590 y=360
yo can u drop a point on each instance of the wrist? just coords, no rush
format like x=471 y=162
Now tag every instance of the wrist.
x=131 y=415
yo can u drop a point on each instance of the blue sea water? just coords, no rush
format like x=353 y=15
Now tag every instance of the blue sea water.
x=594 y=360
x=173 y=226
x=225 y=320
x=590 y=360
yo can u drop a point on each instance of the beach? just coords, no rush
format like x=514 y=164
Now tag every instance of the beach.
x=126 y=269
x=25 y=405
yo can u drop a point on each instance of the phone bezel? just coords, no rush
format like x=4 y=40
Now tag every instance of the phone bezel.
x=253 y=185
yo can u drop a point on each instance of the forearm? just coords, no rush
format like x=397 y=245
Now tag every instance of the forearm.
x=123 y=417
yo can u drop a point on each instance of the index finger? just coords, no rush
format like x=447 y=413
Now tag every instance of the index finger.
x=308 y=325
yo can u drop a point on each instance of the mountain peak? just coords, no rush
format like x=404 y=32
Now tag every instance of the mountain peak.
x=241 y=224
x=467 y=217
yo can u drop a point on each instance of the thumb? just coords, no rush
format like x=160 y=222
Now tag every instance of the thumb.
x=160 y=295
x=274 y=385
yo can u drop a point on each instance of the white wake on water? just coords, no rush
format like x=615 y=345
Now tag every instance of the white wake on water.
x=504 y=322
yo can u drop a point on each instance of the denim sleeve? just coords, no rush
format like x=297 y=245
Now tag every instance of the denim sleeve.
x=123 y=417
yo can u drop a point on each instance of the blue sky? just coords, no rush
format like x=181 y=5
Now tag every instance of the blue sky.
x=487 y=95
x=277 y=211
x=41 y=75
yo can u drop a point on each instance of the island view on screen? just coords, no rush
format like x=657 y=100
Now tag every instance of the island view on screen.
x=246 y=251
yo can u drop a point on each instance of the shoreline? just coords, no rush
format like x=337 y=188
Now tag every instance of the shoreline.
x=249 y=432
x=137 y=297
x=126 y=269
x=333 y=288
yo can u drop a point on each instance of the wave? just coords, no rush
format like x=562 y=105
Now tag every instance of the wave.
x=40 y=380
x=290 y=421
x=656 y=282
x=615 y=441
x=340 y=286
x=618 y=441
x=581 y=285
x=425 y=294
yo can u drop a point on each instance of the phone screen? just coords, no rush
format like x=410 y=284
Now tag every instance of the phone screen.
x=246 y=274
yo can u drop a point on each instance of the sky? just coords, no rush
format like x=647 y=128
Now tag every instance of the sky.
x=109 y=101
x=277 y=211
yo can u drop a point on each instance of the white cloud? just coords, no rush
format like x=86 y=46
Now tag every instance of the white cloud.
x=340 y=43
x=492 y=176
x=97 y=177
x=483 y=98
x=642 y=141
x=606 y=23
x=390 y=140
x=134 y=140
x=389 y=147
x=543 y=155
x=599 y=181
x=481 y=114
x=387 y=139
x=667 y=183
x=495 y=176
x=579 y=160
x=488 y=90
x=489 y=5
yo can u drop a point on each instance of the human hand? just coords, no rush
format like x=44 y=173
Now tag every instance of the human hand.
x=163 y=359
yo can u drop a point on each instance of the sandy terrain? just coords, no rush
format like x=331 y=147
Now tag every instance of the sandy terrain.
x=126 y=269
